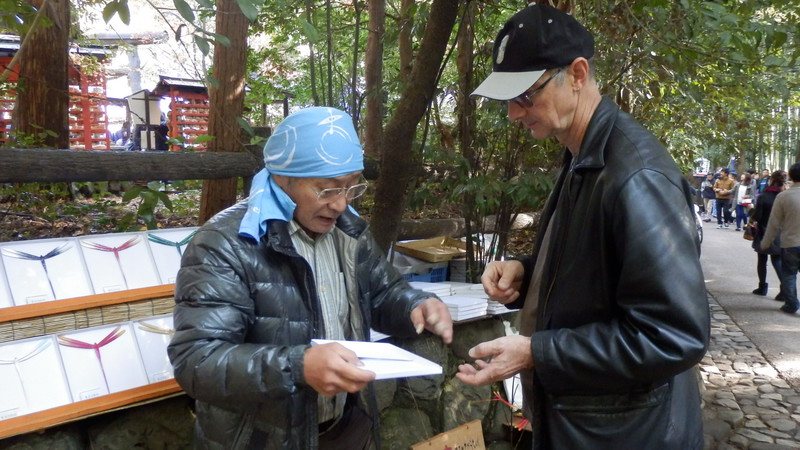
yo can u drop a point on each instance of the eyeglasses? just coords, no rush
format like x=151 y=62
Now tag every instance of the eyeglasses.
x=332 y=194
x=524 y=100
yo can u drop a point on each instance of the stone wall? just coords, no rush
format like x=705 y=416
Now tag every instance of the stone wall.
x=412 y=409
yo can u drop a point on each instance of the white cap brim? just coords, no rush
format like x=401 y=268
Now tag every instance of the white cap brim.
x=507 y=85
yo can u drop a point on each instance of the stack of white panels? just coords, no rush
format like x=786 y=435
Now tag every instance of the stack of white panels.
x=498 y=308
x=463 y=307
x=468 y=289
x=440 y=289
x=476 y=290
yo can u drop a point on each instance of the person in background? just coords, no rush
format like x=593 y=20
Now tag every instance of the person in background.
x=763 y=182
x=121 y=136
x=261 y=279
x=742 y=198
x=717 y=176
x=723 y=188
x=784 y=224
x=614 y=312
x=760 y=221
x=708 y=195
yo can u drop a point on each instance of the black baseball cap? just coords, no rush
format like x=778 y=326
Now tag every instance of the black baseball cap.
x=533 y=40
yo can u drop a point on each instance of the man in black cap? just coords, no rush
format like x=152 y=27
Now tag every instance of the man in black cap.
x=614 y=313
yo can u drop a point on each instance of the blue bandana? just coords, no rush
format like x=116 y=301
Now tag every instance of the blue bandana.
x=318 y=142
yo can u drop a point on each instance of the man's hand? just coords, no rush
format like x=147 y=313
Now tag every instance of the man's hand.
x=497 y=360
x=502 y=280
x=433 y=315
x=332 y=368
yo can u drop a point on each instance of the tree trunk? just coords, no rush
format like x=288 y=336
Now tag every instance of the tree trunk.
x=465 y=113
x=312 y=66
x=354 y=102
x=373 y=79
x=397 y=160
x=405 y=45
x=329 y=51
x=227 y=102
x=43 y=88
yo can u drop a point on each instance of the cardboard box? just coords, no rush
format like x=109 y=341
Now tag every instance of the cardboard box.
x=467 y=436
x=436 y=249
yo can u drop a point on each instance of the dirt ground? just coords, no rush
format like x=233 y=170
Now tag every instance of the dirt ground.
x=23 y=220
x=38 y=218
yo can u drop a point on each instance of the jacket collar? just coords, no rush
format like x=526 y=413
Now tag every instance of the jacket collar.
x=279 y=236
x=592 y=153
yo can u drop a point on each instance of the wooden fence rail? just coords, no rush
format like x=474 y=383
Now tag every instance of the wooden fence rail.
x=42 y=165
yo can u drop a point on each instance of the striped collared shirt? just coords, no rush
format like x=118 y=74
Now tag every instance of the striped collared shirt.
x=322 y=255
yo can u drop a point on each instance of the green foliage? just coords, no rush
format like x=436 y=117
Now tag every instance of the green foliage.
x=706 y=77
x=711 y=79
x=149 y=198
x=249 y=9
x=16 y=16
x=20 y=139
x=184 y=144
x=117 y=7
x=51 y=203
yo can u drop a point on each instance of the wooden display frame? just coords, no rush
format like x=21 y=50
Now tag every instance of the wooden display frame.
x=87 y=302
x=99 y=405
x=88 y=408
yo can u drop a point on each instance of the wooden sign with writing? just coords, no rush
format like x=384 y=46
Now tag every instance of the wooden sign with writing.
x=466 y=437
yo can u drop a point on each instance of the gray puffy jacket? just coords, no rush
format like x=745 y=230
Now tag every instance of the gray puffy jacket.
x=245 y=313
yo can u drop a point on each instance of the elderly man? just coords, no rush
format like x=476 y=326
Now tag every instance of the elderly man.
x=263 y=278
x=614 y=313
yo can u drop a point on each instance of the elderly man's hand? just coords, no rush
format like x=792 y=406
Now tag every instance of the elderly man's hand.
x=433 y=315
x=502 y=280
x=497 y=360
x=333 y=368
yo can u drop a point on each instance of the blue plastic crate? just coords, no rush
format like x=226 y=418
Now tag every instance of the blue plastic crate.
x=434 y=276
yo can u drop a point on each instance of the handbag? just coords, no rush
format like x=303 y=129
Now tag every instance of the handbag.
x=749 y=233
x=747 y=201
x=774 y=249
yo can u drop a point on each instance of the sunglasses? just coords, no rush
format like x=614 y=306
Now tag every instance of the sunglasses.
x=524 y=100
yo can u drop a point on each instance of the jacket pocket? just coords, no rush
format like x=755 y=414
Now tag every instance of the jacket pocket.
x=639 y=420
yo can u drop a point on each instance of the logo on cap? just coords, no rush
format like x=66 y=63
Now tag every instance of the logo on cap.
x=501 y=51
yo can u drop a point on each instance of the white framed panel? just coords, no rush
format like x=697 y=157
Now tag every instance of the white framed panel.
x=43 y=270
x=118 y=261
x=167 y=247
x=32 y=377
x=5 y=292
x=101 y=360
x=153 y=336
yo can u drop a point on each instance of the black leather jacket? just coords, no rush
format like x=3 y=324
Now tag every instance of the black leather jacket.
x=623 y=316
x=245 y=313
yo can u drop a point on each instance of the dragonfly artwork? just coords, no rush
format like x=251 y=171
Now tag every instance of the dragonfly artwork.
x=44 y=271
x=115 y=250
x=116 y=364
x=156 y=329
x=96 y=346
x=38 y=378
x=118 y=262
x=167 y=247
x=178 y=245
x=153 y=336
x=13 y=253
